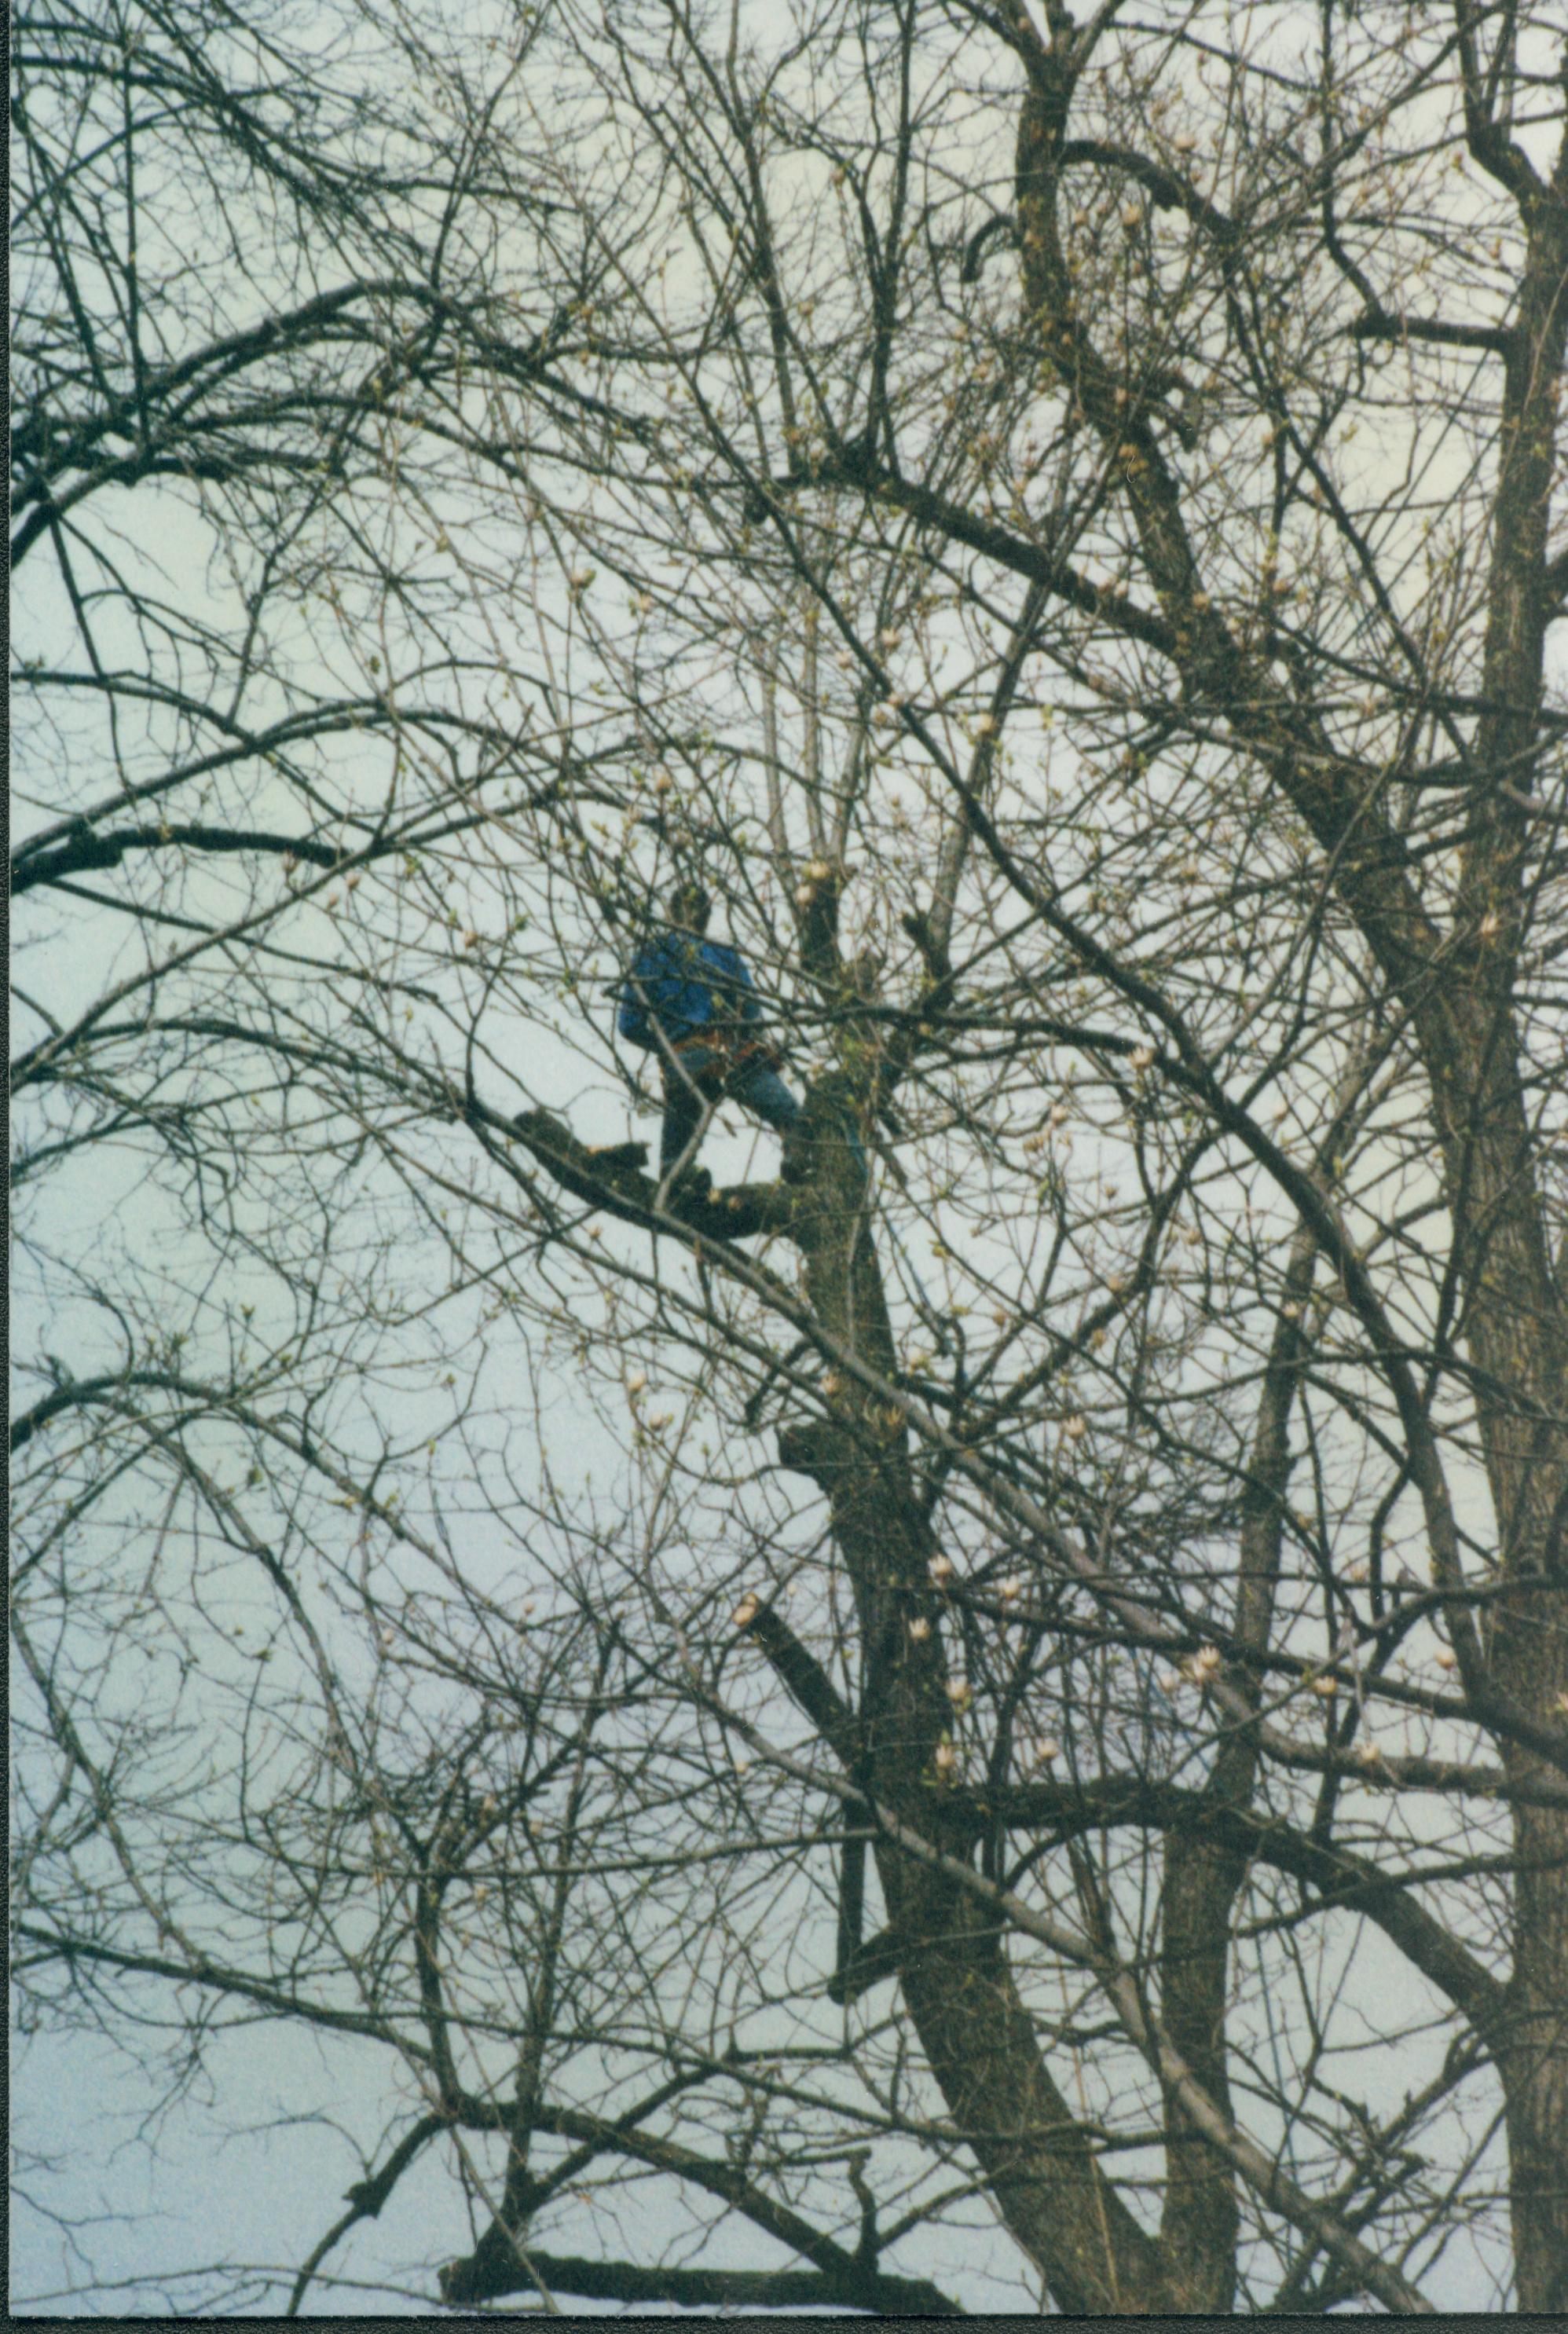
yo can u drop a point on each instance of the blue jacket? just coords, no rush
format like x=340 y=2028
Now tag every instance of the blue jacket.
x=686 y=984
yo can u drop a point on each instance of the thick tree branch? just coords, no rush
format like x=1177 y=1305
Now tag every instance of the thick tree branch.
x=89 y=850
x=365 y=2201
x=703 y=2289
x=1036 y=561
x=1340 y=1878
x=612 y=1180
x=800 y=1671
x=474 y=2278
x=1379 y=325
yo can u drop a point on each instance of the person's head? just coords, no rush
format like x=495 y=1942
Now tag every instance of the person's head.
x=689 y=905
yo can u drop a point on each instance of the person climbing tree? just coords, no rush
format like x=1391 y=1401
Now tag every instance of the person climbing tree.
x=692 y=1000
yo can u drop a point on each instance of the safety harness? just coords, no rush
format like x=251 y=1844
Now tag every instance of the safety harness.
x=737 y=1048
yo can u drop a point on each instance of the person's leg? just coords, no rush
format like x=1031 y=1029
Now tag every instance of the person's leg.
x=688 y=1091
x=682 y=1115
x=765 y=1092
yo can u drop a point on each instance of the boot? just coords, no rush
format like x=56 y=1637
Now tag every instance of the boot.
x=793 y=1166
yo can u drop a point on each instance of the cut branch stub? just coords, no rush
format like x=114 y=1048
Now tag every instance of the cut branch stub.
x=611 y=1176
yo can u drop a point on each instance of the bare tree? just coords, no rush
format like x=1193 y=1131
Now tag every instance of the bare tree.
x=1051 y=1705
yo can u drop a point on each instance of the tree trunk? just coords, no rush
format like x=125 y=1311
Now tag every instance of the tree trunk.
x=976 y=2034
x=1515 y=1326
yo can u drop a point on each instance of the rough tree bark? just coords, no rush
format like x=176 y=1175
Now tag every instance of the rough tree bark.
x=1456 y=986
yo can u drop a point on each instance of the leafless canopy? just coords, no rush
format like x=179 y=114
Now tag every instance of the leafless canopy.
x=991 y=1732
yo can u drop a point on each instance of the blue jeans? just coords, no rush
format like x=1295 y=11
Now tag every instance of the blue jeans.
x=756 y=1087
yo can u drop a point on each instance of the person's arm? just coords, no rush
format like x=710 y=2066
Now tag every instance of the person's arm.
x=638 y=992
x=750 y=1003
x=741 y=1002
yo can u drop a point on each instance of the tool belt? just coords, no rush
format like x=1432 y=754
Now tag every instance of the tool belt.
x=735 y=1051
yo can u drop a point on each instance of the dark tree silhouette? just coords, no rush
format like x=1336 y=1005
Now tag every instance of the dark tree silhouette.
x=1050 y=1705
